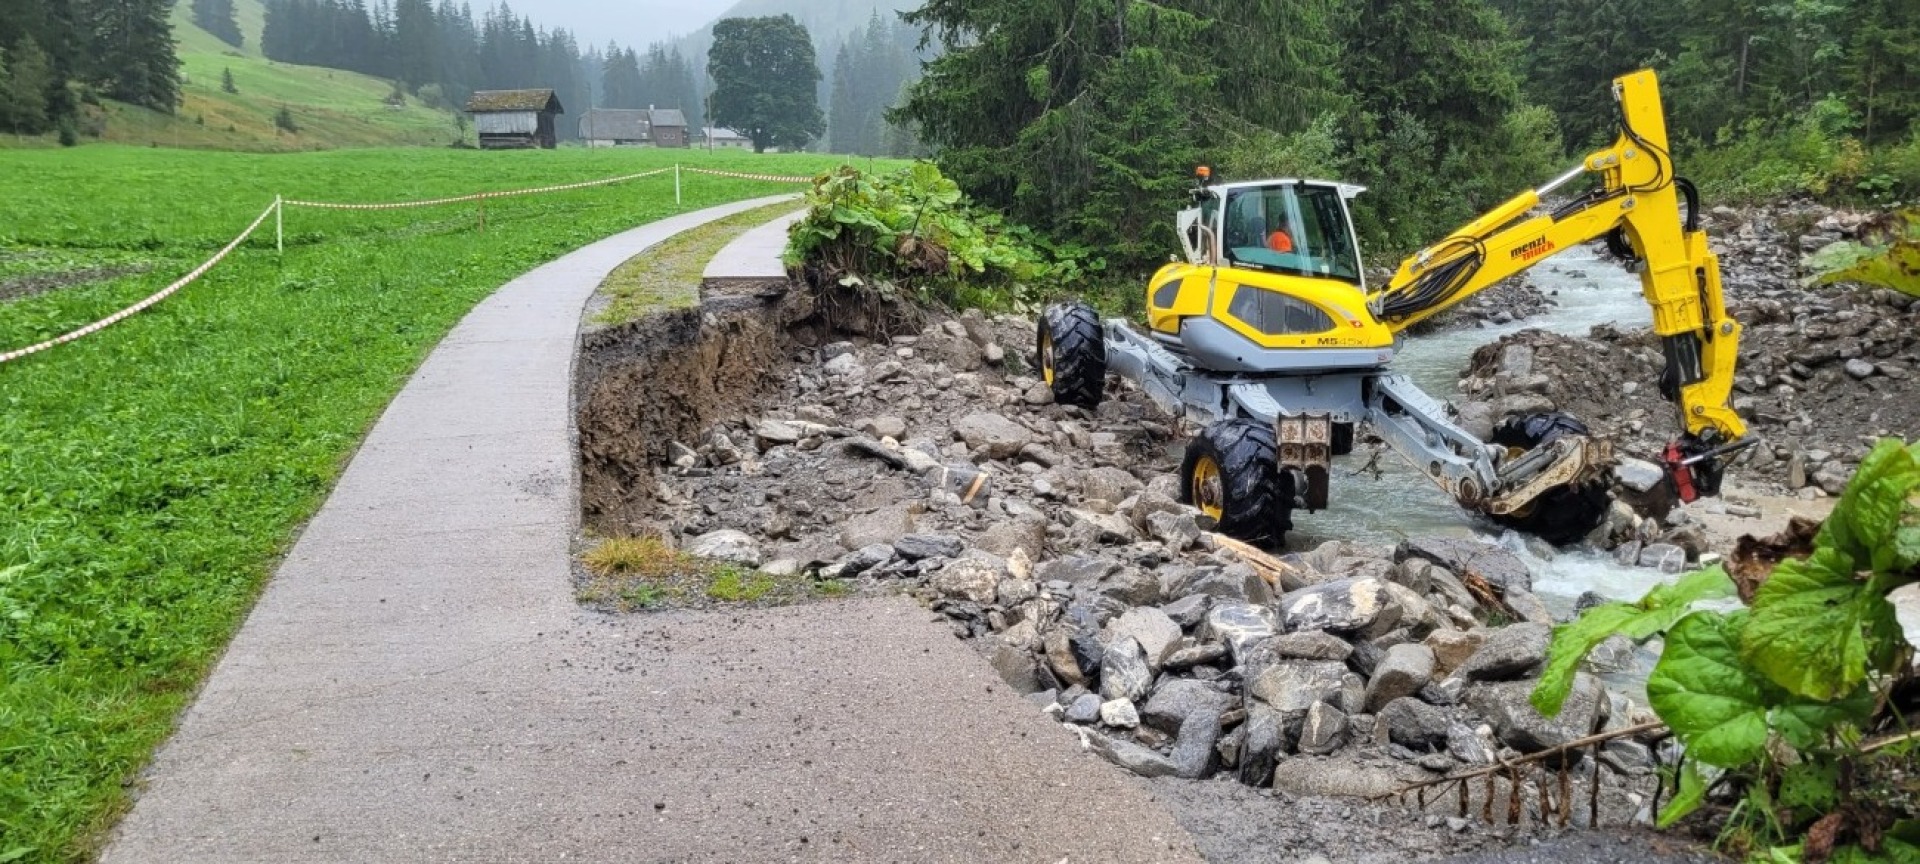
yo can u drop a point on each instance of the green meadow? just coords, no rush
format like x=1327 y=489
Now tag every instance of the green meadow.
x=152 y=474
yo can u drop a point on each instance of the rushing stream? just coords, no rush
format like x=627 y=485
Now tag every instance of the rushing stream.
x=1401 y=502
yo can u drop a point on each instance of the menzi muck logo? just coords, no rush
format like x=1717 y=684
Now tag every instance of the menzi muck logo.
x=1533 y=249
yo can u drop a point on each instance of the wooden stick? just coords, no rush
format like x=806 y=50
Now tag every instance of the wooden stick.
x=1592 y=741
x=1277 y=573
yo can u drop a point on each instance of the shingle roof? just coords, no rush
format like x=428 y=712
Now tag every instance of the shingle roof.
x=615 y=124
x=514 y=100
x=668 y=117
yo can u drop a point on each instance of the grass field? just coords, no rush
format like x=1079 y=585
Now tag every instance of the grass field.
x=151 y=474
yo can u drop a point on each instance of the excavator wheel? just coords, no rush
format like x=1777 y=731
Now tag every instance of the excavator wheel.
x=1073 y=354
x=1563 y=515
x=1230 y=474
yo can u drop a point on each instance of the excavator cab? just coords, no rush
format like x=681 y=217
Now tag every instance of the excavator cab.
x=1273 y=281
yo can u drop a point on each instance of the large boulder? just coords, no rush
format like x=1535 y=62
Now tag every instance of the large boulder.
x=992 y=435
x=968 y=579
x=1241 y=626
x=885 y=525
x=1510 y=652
x=1294 y=685
x=1505 y=705
x=1414 y=724
x=1323 y=730
x=1193 y=749
x=1465 y=556
x=1342 y=606
x=1452 y=648
x=1310 y=645
x=1177 y=699
x=1404 y=670
x=1156 y=633
x=1112 y=485
x=1123 y=671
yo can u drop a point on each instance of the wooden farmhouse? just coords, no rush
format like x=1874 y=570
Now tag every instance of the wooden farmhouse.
x=515 y=119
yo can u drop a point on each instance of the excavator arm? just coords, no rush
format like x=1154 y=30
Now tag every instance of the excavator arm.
x=1637 y=208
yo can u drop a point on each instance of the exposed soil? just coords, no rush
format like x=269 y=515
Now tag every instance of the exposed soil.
x=29 y=284
x=642 y=385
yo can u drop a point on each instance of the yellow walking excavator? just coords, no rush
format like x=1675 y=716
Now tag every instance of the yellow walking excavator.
x=1270 y=335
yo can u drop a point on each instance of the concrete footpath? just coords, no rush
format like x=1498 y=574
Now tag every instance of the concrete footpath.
x=417 y=684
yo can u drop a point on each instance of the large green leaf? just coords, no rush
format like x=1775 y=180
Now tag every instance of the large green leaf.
x=1808 y=628
x=1706 y=695
x=1653 y=614
x=1893 y=263
x=1873 y=507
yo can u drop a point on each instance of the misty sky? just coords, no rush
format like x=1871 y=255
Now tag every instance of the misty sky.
x=630 y=22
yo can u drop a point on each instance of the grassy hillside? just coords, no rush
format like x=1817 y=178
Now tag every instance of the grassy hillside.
x=151 y=474
x=331 y=108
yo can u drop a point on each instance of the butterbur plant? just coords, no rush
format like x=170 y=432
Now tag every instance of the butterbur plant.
x=1792 y=707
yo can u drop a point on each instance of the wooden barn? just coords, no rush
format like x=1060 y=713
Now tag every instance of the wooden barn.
x=669 y=127
x=515 y=119
x=616 y=127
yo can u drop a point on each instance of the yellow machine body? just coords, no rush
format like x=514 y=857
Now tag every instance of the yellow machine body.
x=1182 y=291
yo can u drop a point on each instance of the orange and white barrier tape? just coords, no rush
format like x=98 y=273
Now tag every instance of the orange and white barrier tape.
x=771 y=178
x=156 y=297
x=328 y=205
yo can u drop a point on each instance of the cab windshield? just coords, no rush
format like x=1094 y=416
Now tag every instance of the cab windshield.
x=1290 y=228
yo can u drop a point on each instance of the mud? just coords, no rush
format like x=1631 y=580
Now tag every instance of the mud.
x=27 y=285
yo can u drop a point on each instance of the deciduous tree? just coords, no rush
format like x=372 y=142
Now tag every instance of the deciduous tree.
x=764 y=77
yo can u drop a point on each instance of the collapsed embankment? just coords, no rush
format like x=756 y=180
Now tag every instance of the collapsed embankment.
x=935 y=463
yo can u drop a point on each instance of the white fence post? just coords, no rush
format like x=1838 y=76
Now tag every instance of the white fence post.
x=676 y=184
x=279 y=233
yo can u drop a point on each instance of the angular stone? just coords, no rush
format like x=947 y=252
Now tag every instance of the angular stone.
x=996 y=436
x=1638 y=475
x=883 y=427
x=1505 y=705
x=1496 y=565
x=1077 y=569
x=863 y=559
x=1310 y=645
x=1130 y=756
x=1112 y=485
x=1084 y=709
x=968 y=579
x=1178 y=531
x=1240 y=626
x=1466 y=745
x=1294 y=685
x=1188 y=611
x=1123 y=671
x=773 y=433
x=1343 y=605
x=1404 y=670
x=1236 y=582
x=1156 y=633
x=1452 y=648
x=1205 y=652
x=1193 y=749
x=1016 y=667
x=1131 y=586
x=1177 y=699
x=1323 y=730
x=1265 y=738
x=726 y=545
x=915 y=547
x=1119 y=713
x=885 y=525
x=1061 y=658
x=1415 y=724
x=1664 y=557
x=1511 y=652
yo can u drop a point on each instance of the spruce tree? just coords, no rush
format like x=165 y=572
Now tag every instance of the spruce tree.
x=132 y=56
x=217 y=17
x=23 y=97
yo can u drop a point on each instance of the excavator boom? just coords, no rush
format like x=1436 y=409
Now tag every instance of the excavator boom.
x=1636 y=207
